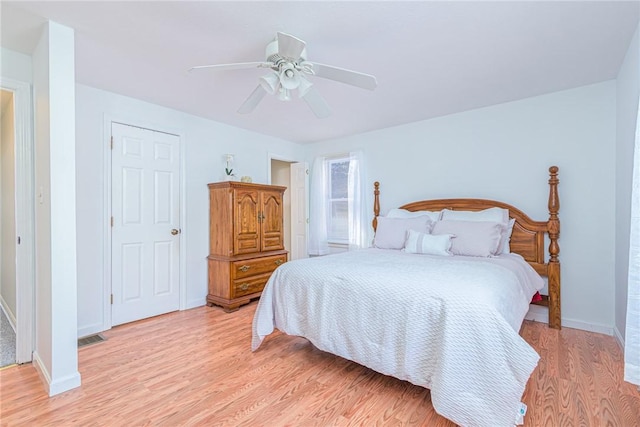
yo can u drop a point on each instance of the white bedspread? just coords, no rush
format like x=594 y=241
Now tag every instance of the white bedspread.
x=449 y=324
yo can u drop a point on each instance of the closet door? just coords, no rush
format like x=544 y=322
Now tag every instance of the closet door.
x=145 y=233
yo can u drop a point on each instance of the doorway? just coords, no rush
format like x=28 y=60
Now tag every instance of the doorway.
x=17 y=215
x=8 y=239
x=294 y=176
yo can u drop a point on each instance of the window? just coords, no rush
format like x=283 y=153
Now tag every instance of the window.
x=338 y=200
x=339 y=214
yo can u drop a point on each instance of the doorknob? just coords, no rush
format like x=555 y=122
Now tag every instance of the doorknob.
x=175 y=231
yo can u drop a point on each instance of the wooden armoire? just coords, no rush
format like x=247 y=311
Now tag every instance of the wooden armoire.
x=246 y=241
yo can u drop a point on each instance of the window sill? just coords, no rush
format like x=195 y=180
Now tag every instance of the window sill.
x=335 y=247
x=339 y=245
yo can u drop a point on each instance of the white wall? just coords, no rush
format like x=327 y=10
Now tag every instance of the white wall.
x=627 y=94
x=204 y=142
x=8 y=210
x=15 y=65
x=503 y=152
x=55 y=354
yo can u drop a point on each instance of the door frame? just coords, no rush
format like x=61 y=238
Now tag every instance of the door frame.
x=136 y=122
x=288 y=159
x=25 y=216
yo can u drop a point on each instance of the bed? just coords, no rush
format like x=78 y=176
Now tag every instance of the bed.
x=449 y=324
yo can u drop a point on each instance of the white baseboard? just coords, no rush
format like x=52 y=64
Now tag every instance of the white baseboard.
x=59 y=385
x=619 y=337
x=7 y=312
x=591 y=327
x=540 y=314
x=195 y=303
x=67 y=383
x=43 y=373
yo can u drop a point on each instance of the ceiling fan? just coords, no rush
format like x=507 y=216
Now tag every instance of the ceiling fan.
x=286 y=58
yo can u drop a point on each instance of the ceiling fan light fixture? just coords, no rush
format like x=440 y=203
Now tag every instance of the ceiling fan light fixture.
x=270 y=82
x=285 y=94
x=289 y=76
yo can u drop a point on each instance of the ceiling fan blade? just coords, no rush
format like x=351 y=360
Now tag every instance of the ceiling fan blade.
x=253 y=100
x=317 y=103
x=289 y=46
x=353 y=78
x=235 y=66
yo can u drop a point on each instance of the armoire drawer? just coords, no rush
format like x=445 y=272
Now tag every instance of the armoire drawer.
x=249 y=285
x=256 y=266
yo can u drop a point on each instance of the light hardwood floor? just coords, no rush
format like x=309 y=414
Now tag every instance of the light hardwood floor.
x=196 y=368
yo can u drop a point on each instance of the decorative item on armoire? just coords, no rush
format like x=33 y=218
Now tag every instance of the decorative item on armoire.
x=228 y=167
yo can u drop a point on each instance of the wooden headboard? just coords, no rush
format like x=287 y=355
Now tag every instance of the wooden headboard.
x=527 y=239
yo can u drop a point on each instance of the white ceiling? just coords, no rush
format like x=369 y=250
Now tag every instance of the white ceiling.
x=430 y=58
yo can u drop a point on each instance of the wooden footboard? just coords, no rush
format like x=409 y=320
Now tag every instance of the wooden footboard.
x=527 y=239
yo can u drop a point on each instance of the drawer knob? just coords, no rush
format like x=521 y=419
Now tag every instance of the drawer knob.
x=279 y=261
x=244 y=286
x=244 y=268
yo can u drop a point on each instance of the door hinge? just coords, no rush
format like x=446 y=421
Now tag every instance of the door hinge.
x=306 y=171
x=112 y=142
x=112 y=221
x=19 y=240
x=112 y=299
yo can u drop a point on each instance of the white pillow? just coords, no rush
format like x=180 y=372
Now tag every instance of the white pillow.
x=473 y=238
x=495 y=214
x=506 y=238
x=430 y=244
x=391 y=233
x=403 y=213
x=492 y=215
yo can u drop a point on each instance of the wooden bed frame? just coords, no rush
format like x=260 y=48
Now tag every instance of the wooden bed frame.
x=527 y=238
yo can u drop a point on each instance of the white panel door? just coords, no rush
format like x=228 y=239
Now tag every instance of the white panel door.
x=299 y=210
x=145 y=233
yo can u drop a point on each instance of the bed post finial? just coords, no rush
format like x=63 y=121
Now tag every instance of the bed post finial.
x=376 y=204
x=553 y=272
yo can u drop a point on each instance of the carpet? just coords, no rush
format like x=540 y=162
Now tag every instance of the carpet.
x=7 y=341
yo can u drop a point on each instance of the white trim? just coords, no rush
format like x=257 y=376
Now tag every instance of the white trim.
x=67 y=383
x=135 y=122
x=106 y=265
x=41 y=368
x=59 y=385
x=590 y=327
x=540 y=314
x=25 y=217
x=619 y=337
x=184 y=228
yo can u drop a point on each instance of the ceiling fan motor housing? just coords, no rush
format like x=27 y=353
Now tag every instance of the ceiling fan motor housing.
x=272 y=55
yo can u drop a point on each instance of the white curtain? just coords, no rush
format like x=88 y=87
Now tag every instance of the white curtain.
x=318 y=242
x=359 y=217
x=632 y=335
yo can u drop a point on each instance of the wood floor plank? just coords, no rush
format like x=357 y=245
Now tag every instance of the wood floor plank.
x=196 y=368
